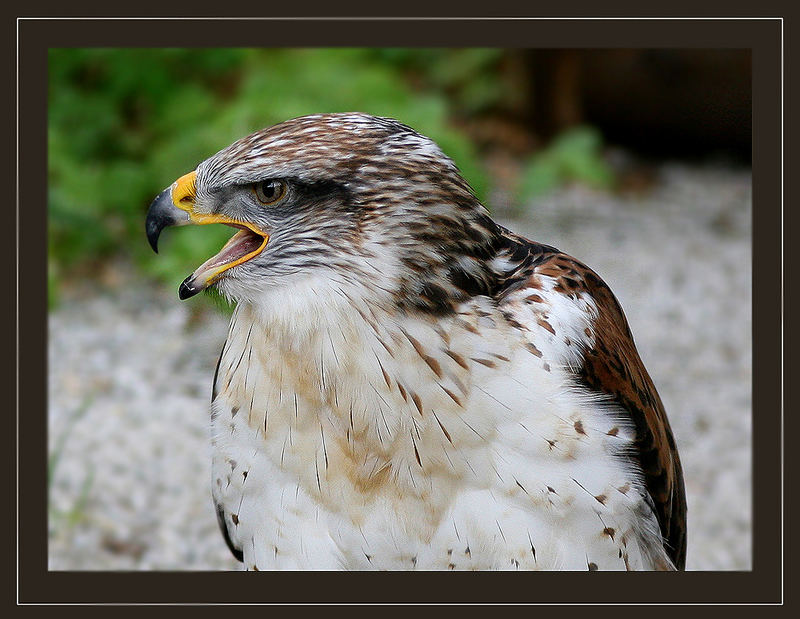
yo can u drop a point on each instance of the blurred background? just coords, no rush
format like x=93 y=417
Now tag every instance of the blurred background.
x=637 y=162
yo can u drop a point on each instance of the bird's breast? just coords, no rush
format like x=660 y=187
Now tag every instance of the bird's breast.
x=400 y=443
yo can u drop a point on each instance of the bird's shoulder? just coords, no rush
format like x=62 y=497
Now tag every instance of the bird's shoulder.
x=569 y=297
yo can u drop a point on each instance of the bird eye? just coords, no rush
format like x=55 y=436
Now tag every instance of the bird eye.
x=270 y=191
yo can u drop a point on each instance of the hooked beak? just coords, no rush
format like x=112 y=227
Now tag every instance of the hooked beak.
x=171 y=208
x=175 y=206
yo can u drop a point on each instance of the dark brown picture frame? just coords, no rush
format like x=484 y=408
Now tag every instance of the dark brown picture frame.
x=35 y=584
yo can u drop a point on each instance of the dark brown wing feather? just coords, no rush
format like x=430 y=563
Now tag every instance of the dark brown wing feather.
x=613 y=367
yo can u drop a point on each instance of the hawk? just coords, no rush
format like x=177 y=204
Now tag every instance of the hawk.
x=405 y=383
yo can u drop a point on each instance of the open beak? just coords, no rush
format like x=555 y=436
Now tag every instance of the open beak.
x=175 y=206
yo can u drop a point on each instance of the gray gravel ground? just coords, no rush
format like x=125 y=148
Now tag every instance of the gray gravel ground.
x=130 y=371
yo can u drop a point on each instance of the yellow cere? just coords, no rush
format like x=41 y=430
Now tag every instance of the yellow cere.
x=183 y=192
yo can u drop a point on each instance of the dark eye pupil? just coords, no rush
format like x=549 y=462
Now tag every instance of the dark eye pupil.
x=270 y=189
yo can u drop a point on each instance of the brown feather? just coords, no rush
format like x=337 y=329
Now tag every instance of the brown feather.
x=613 y=367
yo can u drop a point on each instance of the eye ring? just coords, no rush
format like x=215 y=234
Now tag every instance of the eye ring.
x=269 y=191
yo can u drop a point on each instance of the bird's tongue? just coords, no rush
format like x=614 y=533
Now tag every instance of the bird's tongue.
x=238 y=246
x=242 y=246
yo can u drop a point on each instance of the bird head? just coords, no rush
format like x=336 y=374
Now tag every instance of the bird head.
x=345 y=198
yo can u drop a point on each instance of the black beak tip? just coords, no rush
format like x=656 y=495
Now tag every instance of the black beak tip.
x=153 y=232
x=187 y=290
x=160 y=215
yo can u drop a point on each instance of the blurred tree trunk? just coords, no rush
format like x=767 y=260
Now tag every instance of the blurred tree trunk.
x=683 y=103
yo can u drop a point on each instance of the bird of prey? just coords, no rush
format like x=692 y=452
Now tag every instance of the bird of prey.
x=405 y=383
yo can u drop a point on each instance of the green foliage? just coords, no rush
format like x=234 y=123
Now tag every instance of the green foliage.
x=125 y=123
x=470 y=78
x=574 y=156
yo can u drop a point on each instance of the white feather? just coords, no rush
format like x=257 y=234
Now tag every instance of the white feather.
x=508 y=466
